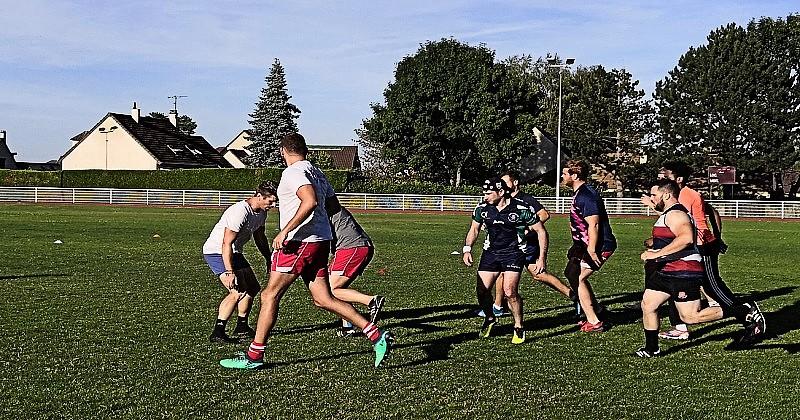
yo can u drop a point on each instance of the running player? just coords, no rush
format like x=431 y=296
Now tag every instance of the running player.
x=507 y=220
x=532 y=249
x=223 y=252
x=710 y=246
x=354 y=251
x=301 y=250
x=592 y=241
x=674 y=269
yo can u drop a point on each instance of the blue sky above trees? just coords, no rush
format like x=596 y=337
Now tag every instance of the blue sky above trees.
x=63 y=65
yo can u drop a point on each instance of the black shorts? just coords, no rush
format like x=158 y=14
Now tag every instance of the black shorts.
x=680 y=289
x=577 y=255
x=531 y=258
x=498 y=263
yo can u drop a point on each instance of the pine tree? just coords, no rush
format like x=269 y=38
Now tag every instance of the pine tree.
x=273 y=117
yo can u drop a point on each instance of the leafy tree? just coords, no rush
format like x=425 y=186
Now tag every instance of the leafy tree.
x=449 y=109
x=735 y=101
x=273 y=118
x=186 y=124
x=321 y=159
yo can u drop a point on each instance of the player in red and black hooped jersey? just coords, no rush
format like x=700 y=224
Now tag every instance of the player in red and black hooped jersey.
x=592 y=241
x=507 y=221
x=674 y=268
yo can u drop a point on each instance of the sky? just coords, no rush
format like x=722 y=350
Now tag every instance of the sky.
x=65 y=64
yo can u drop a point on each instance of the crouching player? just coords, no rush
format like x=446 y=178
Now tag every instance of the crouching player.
x=674 y=269
x=223 y=254
x=507 y=220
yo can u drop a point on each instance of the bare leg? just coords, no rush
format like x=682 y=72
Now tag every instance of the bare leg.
x=340 y=286
x=485 y=281
x=498 y=291
x=227 y=305
x=553 y=282
x=270 y=300
x=586 y=295
x=651 y=300
x=511 y=292
x=691 y=313
x=320 y=291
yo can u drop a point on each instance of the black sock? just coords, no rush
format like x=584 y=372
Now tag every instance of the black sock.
x=651 y=340
x=573 y=296
x=241 y=322
x=739 y=312
x=219 y=327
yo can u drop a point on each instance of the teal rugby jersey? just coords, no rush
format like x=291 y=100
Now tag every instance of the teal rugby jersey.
x=505 y=229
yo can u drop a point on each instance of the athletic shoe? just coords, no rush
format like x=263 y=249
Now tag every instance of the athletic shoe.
x=375 y=306
x=674 y=334
x=646 y=354
x=756 y=318
x=519 y=336
x=751 y=336
x=383 y=347
x=589 y=327
x=486 y=328
x=244 y=331
x=346 y=332
x=222 y=338
x=241 y=362
x=496 y=312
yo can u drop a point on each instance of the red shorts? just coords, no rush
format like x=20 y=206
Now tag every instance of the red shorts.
x=351 y=262
x=307 y=259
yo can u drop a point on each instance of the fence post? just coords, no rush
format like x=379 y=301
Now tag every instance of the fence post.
x=441 y=203
x=219 y=198
x=783 y=209
x=737 y=208
x=73 y=196
x=183 y=200
x=35 y=194
x=146 y=197
x=403 y=202
x=110 y=196
x=365 y=201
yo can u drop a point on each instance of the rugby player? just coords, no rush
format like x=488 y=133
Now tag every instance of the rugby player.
x=710 y=245
x=593 y=242
x=674 y=269
x=507 y=220
x=353 y=252
x=223 y=252
x=301 y=250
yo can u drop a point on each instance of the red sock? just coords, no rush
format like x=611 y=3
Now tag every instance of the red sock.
x=255 y=351
x=372 y=332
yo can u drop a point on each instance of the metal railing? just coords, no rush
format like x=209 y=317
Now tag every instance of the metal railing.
x=402 y=202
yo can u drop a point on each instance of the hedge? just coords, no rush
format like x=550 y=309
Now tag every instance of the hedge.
x=387 y=186
x=182 y=179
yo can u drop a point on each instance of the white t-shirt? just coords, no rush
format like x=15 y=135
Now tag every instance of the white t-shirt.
x=240 y=218
x=316 y=227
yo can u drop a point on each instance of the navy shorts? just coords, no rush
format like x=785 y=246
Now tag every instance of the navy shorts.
x=680 y=289
x=216 y=265
x=498 y=263
x=531 y=258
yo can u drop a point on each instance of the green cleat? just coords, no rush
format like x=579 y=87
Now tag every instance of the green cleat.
x=383 y=347
x=486 y=328
x=241 y=362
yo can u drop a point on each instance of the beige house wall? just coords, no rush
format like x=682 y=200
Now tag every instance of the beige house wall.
x=240 y=141
x=121 y=151
x=233 y=160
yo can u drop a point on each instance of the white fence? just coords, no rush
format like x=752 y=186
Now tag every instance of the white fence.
x=728 y=208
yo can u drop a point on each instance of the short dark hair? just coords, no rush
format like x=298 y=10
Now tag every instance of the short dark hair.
x=668 y=185
x=679 y=169
x=512 y=174
x=294 y=143
x=266 y=188
x=578 y=167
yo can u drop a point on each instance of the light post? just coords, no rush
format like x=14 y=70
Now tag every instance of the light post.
x=107 y=132
x=554 y=62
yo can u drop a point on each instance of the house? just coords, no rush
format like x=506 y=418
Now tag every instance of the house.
x=343 y=157
x=122 y=141
x=7 y=160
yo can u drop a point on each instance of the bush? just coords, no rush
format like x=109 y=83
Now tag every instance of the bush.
x=387 y=186
x=24 y=178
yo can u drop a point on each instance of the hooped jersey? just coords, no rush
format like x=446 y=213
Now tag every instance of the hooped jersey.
x=685 y=262
x=506 y=229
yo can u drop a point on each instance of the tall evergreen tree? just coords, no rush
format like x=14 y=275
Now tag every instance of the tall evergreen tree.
x=273 y=118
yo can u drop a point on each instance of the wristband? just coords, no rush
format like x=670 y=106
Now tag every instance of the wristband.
x=467 y=248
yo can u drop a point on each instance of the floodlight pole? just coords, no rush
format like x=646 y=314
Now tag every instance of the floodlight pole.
x=107 y=132
x=553 y=62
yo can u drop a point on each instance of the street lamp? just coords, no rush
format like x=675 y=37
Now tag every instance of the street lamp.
x=554 y=62
x=107 y=132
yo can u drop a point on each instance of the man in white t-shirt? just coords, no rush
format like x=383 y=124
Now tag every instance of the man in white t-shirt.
x=223 y=252
x=301 y=249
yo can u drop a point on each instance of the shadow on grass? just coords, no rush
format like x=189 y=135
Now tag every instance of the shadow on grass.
x=780 y=322
x=27 y=276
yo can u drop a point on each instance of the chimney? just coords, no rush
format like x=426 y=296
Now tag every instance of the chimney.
x=2 y=136
x=136 y=112
x=173 y=117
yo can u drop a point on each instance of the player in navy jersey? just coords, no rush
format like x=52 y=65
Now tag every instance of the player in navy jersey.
x=592 y=241
x=532 y=250
x=507 y=221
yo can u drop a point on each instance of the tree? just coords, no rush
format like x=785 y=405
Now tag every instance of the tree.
x=735 y=101
x=186 y=124
x=321 y=159
x=450 y=107
x=273 y=118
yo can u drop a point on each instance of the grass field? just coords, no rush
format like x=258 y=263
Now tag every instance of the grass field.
x=114 y=323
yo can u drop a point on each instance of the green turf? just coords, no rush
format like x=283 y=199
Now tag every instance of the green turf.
x=114 y=323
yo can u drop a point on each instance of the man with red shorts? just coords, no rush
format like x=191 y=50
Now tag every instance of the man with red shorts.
x=592 y=241
x=353 y=252
x=301 y=250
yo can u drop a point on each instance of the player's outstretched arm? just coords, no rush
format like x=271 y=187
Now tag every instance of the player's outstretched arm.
x=472 y=236
x=262 y=243
x=228 y=278
x=544 y=242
